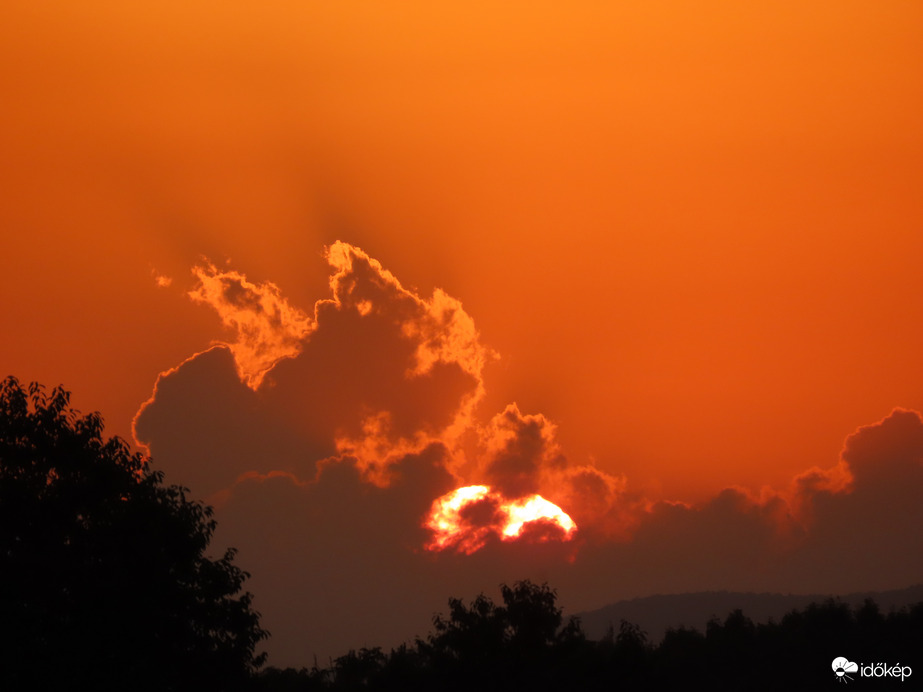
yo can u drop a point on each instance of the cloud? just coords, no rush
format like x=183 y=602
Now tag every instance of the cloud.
x=442 y=331
x=336 y=561
x=519 y=450
x=377 y=372
x=205 y=427
x=851 y=527
x=885 y=454
x=382 y=359
x=161 y=280
x=324 y=440
x=267 y=328
x=870 y=535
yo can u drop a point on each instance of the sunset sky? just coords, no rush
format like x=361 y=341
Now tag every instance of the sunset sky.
x=629 y=255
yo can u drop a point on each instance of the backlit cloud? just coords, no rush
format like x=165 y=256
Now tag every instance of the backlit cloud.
x=443 y=335
x=325 y=441
x=267 y=327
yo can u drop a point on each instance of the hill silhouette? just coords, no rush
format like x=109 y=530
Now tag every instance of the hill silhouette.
x=656 y=614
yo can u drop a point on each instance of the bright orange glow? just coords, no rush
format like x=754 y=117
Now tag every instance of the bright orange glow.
x=465 y=518
x=535 y=508
x=268 y=328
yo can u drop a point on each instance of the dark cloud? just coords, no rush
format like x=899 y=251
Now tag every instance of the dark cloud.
x=325 y=441
x=356 y=366
x=205 y=427
x=289 y=391
x=851 y=527
x=519 y=451
x=886 y=454
x=337 y=561
x=869 y=537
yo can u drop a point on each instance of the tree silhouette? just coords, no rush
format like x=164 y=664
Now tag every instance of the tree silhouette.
x=104 y=579
x=520 y=644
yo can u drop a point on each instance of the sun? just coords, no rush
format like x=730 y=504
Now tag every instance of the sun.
x=465 y=518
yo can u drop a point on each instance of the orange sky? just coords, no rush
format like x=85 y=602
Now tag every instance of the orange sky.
x=691 y=230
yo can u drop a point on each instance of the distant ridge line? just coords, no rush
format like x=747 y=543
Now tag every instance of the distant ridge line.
x=655 y=614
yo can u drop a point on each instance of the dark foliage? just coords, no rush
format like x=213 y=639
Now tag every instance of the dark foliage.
x=488 y=646
x=104 y=579
x=522 y=645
